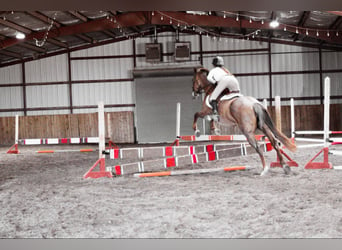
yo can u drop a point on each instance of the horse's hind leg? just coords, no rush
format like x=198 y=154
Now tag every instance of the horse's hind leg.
x=214 y=129
x=253 y=142
x=275 y=145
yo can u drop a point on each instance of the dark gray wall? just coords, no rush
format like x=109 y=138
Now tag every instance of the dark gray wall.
x=156 y=104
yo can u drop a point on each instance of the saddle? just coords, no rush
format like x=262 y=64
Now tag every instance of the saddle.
x=223 y=98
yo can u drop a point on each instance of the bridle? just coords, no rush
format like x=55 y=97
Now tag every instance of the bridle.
x=197 y=84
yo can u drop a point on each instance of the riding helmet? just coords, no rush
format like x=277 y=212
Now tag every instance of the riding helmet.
x=218 y=61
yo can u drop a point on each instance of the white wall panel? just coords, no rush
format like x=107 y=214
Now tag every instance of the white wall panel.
x=11 y=74
x=101 y=69
x=49 y=112
x=109 y=93
x=50 y=69
x=281 y=48
x=331 y=60
x=11 y=97
x=295 y=62
x=47 y=96
x=298 y=85
x=113 y=49
x=335 y=85
x=256 y=86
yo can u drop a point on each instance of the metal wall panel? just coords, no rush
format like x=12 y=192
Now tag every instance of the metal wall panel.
x=101 y=69
x=331 y=60
x=295 y=61
x=335 y=85
x=11 y=74
x=49 y=112
x=113 y=49
x=297 y=85
x=214 y=44
x=11 y=98
x=109 y=93
x=282 y=48
x=256 y=86
x=47 y=96
x=50 y=69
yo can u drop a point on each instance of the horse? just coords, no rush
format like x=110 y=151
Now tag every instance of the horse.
x=245 y=112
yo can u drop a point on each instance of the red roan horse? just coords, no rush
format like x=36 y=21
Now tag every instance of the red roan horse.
x=245 y=112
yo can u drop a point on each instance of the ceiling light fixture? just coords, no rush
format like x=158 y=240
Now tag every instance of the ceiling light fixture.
x=274 y=24
x=20 y=35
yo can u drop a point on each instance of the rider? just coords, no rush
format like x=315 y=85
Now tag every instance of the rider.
x=224 y=79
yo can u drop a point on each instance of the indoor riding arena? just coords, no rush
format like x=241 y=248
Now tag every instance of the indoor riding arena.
x=97 y=125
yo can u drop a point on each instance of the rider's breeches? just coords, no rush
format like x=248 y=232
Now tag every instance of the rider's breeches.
x=229 y=82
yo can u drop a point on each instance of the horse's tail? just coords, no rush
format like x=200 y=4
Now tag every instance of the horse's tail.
x=265 y=119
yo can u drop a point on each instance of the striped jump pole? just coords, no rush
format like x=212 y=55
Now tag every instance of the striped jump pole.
x=84 y=150
x=192 y=171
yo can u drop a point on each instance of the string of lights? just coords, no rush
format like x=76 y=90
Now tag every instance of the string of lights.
x=273 y=24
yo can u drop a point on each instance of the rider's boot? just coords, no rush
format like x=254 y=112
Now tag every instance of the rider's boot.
x=215 y=115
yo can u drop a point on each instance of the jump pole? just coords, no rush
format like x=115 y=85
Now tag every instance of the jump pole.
x=192 y=171
x=101 y=162
x=277 y=112
x=16 y=140
x=178 y=116
x=325 y=150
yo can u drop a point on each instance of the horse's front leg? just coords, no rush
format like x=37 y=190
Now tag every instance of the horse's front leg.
x=197 y=115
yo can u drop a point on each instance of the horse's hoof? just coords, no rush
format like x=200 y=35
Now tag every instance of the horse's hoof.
x=197 y=133
x=265 y=171
x=287 y=169
x=217 y=132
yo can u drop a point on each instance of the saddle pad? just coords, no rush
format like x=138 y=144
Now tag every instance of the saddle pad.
x=223 y=98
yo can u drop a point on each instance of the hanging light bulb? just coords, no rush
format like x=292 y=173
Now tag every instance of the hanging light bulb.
x=224 y=15
x=274 y=24
x=307 y=32
x=162 y=17
x=336 y=33
x=262 y=21
x=152 y=13
x=170 y=21
x=237 y=17
x=328 y=34
x=297 y=30
x=317 y=34
x=285 y=28
x=20 y=35
x=250 y=20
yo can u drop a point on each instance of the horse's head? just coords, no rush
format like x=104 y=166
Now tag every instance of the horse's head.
x=199 y=81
